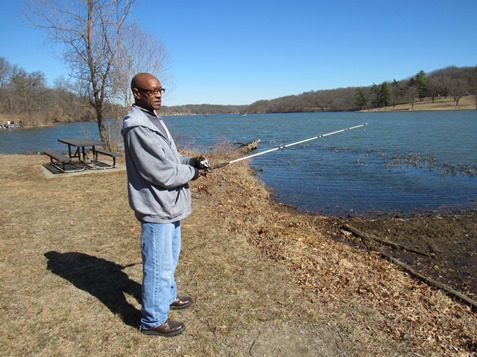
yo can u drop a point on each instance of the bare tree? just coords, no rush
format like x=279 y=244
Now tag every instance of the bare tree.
x=92 y=34
x=140 y=52
x=411 y=95
x=5 y=71
x=30 y=93
x=5 y=78
x=459 y=89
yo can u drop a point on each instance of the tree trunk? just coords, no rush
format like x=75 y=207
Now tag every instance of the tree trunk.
x=103 y=135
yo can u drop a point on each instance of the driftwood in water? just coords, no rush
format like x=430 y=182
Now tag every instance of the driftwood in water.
x=382 y=241
x=247 y=147
x=415 y=274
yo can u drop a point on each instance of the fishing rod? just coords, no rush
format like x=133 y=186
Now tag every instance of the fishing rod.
x=223 y=164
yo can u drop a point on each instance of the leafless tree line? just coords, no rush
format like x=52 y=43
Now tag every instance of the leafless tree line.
x=27 y=97
x=451 y=81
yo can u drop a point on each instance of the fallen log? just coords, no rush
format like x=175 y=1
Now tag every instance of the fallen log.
x=429 y=281
x=382 y=241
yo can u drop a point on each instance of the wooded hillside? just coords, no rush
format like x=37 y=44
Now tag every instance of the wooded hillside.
x=454 y=82
x=26 y=96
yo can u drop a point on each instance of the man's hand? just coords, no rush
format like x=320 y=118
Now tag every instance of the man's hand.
x=203 y=173
x=202 y=166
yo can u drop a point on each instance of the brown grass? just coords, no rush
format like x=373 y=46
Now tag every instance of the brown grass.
x=468 y=102
x=266 y=280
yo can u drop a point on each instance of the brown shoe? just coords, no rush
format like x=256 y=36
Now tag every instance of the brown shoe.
x=181 y=302
x=169 y=328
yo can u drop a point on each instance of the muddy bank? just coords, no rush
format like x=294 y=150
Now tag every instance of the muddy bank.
x=448 y=243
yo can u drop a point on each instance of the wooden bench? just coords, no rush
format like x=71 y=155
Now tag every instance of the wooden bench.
x=100 y=165
x=60 y=161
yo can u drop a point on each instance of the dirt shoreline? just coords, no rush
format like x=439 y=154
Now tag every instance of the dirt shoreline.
x=448 y=242
x=441 y=245
x=267 y=279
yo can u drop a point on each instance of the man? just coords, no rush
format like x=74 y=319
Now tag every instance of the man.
x=159 y=194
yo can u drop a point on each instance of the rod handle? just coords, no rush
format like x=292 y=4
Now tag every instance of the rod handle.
x=218 y=166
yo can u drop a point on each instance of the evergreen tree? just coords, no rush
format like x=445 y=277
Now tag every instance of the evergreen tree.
x=375 y=92
x=361 y=99
x=396 y=91
x=384 y=94
x=422 y=85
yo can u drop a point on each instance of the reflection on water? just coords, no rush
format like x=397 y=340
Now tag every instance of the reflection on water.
x=399 y=162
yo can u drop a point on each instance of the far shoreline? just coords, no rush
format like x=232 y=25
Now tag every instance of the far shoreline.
x=468 y=102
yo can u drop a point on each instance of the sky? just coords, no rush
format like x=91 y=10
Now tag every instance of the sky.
x=238 y=52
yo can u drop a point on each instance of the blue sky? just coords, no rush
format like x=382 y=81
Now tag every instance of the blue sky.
x=238 y=52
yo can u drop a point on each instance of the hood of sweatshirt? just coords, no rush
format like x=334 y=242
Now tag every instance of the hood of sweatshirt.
x=137 y=117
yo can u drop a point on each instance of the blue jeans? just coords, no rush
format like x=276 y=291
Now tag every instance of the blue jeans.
x=160 y=248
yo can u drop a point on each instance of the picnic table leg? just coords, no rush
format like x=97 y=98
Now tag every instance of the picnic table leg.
x=95 y=156
x=76 y=154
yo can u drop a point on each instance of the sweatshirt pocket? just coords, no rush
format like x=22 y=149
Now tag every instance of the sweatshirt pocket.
x=182 y=201
x=170 y=204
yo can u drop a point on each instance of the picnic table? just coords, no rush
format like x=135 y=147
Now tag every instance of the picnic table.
x=81 y=145
x=78 y=149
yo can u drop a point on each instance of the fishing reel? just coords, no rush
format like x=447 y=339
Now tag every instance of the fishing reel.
x=204 y=164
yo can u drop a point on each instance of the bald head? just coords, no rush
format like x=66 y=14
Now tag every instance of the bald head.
x=141 y=80
x=147 y=91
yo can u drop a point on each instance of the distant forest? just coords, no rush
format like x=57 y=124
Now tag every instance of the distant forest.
x=452 y=81
x=25 y=96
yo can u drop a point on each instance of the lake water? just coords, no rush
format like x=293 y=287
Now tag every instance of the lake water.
x=401 y=161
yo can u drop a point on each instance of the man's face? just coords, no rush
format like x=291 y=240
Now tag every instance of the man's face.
x=149 y=94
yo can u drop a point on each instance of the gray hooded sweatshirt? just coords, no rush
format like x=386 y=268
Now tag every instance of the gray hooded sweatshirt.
x=158 y=175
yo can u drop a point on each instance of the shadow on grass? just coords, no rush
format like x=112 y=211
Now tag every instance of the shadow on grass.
x=102 y=279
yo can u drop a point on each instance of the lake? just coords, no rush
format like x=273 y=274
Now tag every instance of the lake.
x=403 y=162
